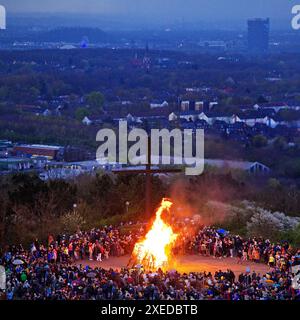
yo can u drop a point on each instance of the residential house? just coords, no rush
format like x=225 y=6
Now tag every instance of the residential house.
x=204 y=117
x=220 y=126
x=130 y=118
x=255 y=168
x=238 y=126
x=71 y=170
x=184 y=124
x=157 y=104
x=185 y=105
x=211 y=117
x=5 y=148
x=201 y=124
x=277 y=106
x=86 y=121
x=15 y=164
x=173 y=116
x=212 y=105
x=259 y=116
x=199 y=106
x=192 y=105
x=126 y=103
x=40 y=162
x=47 y=113
x=33 y=109
x=155 y=122
x=250 y=167
x=190 y=115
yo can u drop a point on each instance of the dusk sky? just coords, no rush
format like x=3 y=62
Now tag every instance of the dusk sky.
x=278 y=9
x=163 y=11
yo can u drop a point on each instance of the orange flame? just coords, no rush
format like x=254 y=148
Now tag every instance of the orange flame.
x=154 y=251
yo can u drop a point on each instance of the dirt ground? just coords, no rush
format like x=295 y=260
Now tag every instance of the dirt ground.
x=190 y=263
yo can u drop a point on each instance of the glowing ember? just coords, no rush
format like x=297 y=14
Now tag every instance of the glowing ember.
x=154 y=251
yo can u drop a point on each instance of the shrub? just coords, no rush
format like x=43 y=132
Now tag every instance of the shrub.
x=72 y=222
x=269 y=225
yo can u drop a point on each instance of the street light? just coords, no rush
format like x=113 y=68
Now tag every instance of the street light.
x=127 y=203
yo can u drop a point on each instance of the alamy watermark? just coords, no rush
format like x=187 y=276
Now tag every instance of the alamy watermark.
x=175 y=147
x=296 y=18
x=2 y=17
x=2 y=279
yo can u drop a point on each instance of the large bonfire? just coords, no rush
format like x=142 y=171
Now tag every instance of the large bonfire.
x=154 y=250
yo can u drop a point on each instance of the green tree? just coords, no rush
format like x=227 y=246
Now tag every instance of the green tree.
x=292 y=168
x=280 y=143
x=273 y=183
x=95 y=100
x=259 y=141
x=292 y=236
x=72 y=222
x=80 y=113
x=289 y=115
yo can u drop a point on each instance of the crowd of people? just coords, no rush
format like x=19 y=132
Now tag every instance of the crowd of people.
x=209 y=241
x=57 y=271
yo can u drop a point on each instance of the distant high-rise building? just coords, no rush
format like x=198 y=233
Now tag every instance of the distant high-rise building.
x=258 y=35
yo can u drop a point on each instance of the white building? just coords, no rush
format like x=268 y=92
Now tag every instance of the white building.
x=250 y=167
x=251 y=122
x=87 y=121
x=71 y=170
x=185 y=105
x=155 y=105
x=246 y=166
x=172 y=116
x=211 y=118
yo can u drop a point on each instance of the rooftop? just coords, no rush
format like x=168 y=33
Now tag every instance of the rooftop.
x=13 y=160
x=39 y=146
